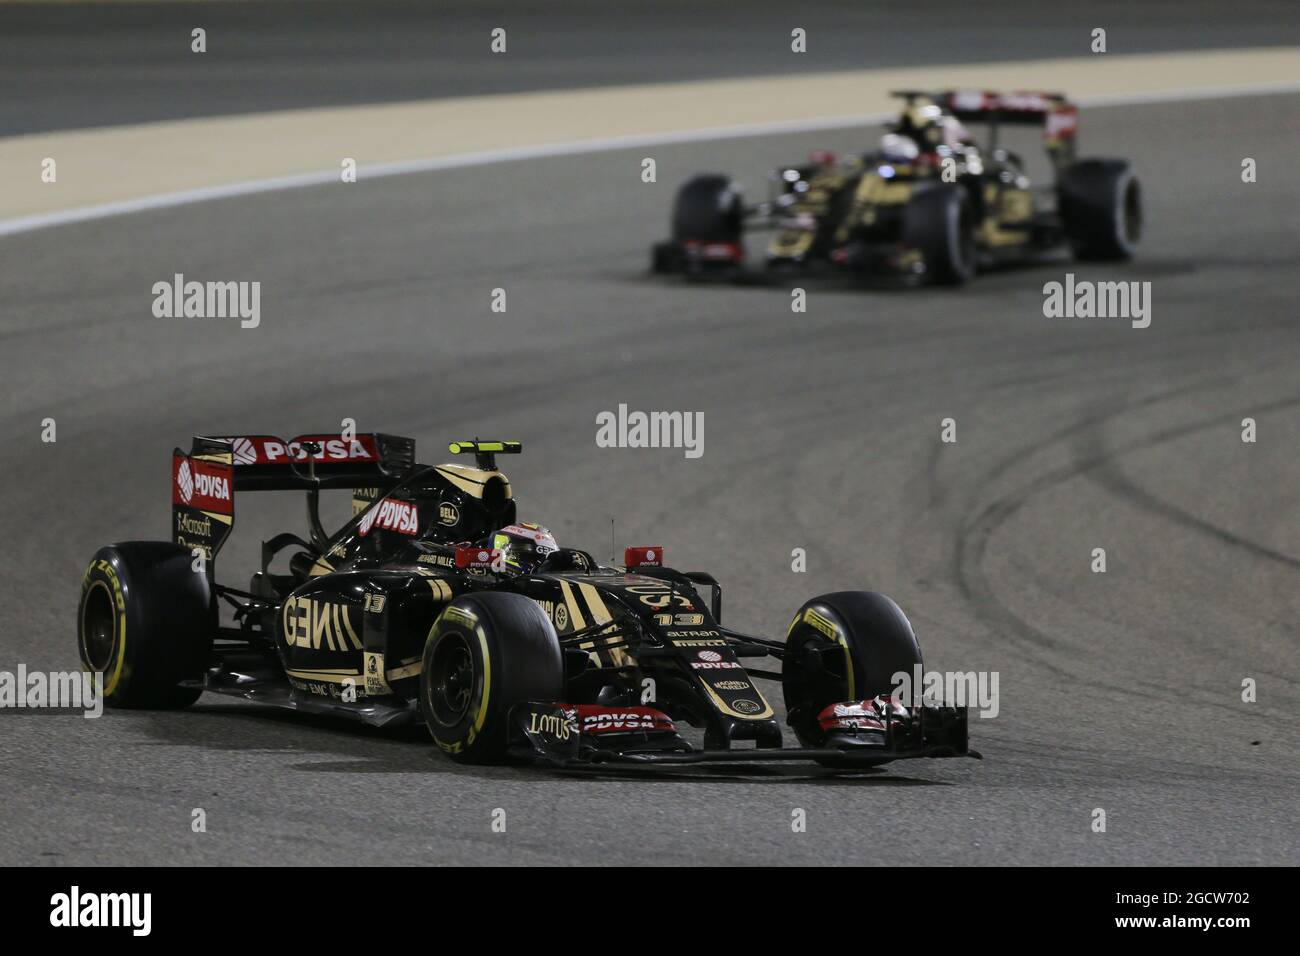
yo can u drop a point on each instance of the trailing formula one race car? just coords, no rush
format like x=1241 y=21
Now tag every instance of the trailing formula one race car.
x=928 y=204
x=434 y=603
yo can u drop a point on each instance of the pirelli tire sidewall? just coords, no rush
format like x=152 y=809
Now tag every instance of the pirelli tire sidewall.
x=514 y=656
x=870 y=639
x=146 y=620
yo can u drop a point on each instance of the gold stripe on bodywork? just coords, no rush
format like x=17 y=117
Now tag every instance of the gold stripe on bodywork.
x=345 y=612
x=578 y=622
x=409 y=670
x=471 y=480
x=575 y=615
x=618 y=656
x=327 y=677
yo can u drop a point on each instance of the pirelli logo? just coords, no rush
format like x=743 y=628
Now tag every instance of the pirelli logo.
x=460 y=616
x=822 y=624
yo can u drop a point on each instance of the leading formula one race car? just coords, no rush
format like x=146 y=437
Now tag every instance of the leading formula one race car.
x=435 y=603
x=928 y=204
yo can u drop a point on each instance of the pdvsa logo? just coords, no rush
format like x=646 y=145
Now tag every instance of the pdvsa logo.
x=334 y=449
x=195 y=482
x=210 y=486
x=389 y=515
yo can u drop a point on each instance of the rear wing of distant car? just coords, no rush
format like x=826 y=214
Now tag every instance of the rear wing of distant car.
x=205 y=480
x=1052 y=111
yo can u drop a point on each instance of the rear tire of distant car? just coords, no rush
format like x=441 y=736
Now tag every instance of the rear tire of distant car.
x=842 y=647
x=1101 y=208
x=708 y=209
x=146 y=621
x=486 y=653
x=940 y=222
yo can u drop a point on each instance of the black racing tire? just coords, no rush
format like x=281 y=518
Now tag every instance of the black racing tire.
x=1100 y=202
x=146 y=621
x=845 y=646
x=940 y=221
x=665 y=258
x=486 y=653
x=708 y=209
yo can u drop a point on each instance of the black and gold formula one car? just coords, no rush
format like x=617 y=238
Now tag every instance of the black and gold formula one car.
x=434 y=603
x=929 y=204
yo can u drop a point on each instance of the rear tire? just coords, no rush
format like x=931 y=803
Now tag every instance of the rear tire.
x=1101 y=208
x=842 y=647
x=708 y=209
x=146 y=621
x=485 y=654
x=940 y=221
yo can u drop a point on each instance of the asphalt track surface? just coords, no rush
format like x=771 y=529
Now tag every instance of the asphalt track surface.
x=1118 y=690
x=66 y=66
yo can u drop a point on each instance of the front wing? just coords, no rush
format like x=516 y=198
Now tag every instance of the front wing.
x=860 y=734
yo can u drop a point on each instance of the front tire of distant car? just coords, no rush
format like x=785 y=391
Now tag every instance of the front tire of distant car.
x=146 y=621
x=1101 y=207
x=708 y=209
x=940 y=222
x=486 y=653
x=845 y=646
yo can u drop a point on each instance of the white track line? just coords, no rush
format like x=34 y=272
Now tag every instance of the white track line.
x=21 y=224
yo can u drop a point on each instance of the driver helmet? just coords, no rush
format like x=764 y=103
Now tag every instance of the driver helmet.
x=955 y=133
x=524 y=546
x=931 y=128
x=898 y=149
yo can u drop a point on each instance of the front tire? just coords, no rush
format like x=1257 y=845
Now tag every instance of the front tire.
x=1101 y=207
x=841 y=647
x=708 y=209
x=486 y=653
x=940 y=221
x=146 y=621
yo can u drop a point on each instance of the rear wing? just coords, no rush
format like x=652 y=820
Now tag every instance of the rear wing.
x=205 y=480
x=1052 y=111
